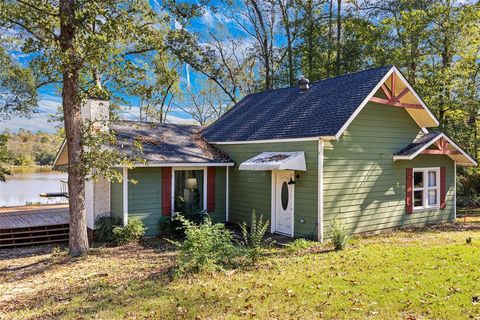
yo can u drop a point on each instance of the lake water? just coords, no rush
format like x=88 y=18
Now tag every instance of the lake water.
x=26 y=184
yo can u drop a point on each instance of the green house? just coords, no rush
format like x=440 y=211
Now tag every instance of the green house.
x=359 y=148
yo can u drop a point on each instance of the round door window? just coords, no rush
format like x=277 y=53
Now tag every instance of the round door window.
x=284 y=195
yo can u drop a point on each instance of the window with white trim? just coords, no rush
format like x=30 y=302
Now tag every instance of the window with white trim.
x=426 y=188
x=189 y=189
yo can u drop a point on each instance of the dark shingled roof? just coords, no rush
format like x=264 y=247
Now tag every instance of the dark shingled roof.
x=418 y=144
x=165 y=142
x=290 y=113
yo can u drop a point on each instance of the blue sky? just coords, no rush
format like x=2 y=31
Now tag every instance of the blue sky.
x=50 y=99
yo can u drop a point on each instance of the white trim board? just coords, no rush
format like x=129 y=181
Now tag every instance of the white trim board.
x=125 y=195
x=274 y=140
x=227 y=196
x=425 y=188
x=320 y=235
x=59 y=152
x=455 y=190
x=184 y=164
x=392 y=70
x=205 y=191
x=273 y=220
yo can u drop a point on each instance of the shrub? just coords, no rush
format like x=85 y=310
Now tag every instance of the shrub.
x=253 y=237
x=133 y=231
x=301 y=244
x=190 y=212
x=340 y=235
x=207 y=247
x=104 y=226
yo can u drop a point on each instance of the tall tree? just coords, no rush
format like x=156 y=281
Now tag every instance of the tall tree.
x=77 y=43
x=339 y=38
x=288 y=26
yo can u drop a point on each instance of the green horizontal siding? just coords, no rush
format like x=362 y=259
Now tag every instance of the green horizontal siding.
x=252 y=189
x=364 y=187
x=145 y=198
x=116 y=199
x=220 y=193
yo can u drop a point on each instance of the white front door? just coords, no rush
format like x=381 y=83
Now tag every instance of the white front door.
x=284 y=197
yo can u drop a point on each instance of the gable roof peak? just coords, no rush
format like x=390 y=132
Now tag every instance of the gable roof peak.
x=325 y=110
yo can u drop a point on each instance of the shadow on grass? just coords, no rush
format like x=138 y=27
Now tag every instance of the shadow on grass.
x=83 y=301
x=26 y=252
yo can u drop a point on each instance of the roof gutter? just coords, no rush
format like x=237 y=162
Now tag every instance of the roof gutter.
x=274 y=140
x=183 y=164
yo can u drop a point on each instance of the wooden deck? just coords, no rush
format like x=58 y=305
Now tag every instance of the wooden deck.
x=29 y=225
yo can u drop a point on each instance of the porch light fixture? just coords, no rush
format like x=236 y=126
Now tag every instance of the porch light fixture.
x=291 y=179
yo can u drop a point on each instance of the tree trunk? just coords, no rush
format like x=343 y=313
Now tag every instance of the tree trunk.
x=78 y=242
x=339 y=35
x=286 y=24
x=330 y=41
x=264 y=44
x=310 y=39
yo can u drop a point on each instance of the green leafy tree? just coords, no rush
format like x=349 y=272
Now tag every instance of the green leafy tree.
x=18 y=97
x=18 y=90
x=85 y=47
x=4 y=157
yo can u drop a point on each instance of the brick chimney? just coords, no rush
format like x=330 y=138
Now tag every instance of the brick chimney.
x=97 y=111
x=97 y=192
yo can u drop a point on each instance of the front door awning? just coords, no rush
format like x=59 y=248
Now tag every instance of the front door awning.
x=276 y=161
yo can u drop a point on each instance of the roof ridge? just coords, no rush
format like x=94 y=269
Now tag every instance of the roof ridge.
x=388 y=66
x=155 y=123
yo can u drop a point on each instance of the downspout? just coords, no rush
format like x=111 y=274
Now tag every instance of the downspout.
x=226 y=194
x=125 y=196
x=455 y=190
x=320 y=191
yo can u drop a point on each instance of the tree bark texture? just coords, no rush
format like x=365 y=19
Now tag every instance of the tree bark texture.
x=78 y=241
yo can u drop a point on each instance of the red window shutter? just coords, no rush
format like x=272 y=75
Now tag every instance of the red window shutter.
x=166 y=191
x=409 y=187
x=211 y=189
x=443 y=188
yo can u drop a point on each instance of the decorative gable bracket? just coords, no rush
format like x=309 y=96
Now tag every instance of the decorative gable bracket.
x=393 y=99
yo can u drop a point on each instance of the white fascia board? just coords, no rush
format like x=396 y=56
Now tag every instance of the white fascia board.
x=64 y=143
x=184 y=164
x=363 y=104
x=415 y=94
x=266 y=141
x=472 y=162
x=392 y=70
x=426 y=146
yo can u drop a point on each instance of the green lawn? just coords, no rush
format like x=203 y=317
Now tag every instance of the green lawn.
x=400 y=275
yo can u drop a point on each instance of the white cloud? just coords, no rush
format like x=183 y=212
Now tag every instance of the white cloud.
x=48 y=104
x=132 y=113
x=208 y=17
x=38 y=122
x=179 y=120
